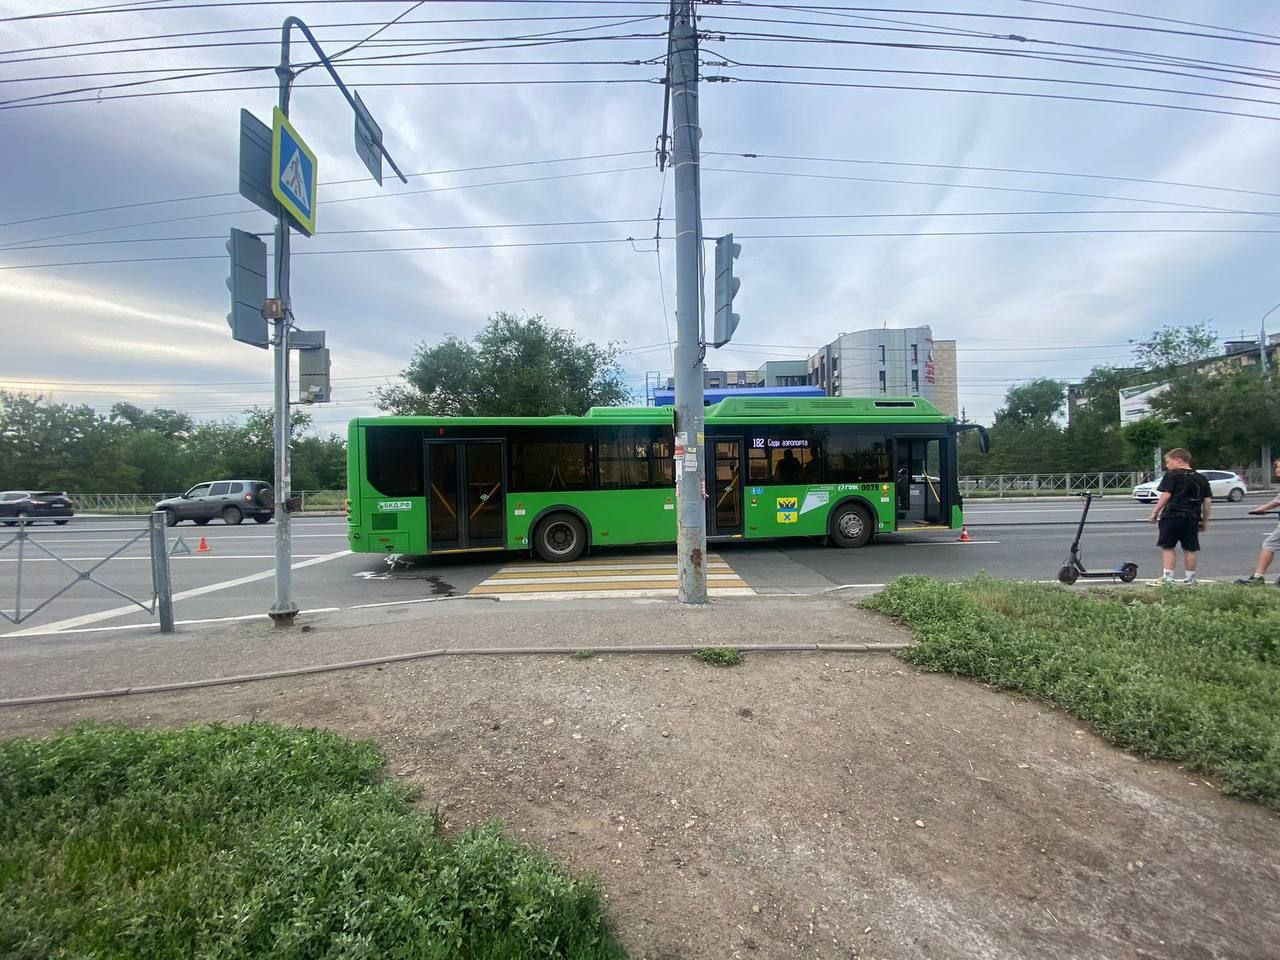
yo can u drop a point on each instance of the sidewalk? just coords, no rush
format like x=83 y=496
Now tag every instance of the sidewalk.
x=822 y=805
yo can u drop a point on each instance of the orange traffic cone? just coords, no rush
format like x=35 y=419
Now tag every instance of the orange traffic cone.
x=964 y=535
x=203 y=546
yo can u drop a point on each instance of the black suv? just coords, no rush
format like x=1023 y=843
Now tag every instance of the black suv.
x=232 y=500
x=25 y=506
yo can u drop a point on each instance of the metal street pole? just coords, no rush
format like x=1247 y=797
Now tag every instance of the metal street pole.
x=691 y=533
x=1265 y=453
x=283 y=610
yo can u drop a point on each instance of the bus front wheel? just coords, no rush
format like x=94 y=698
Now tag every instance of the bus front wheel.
x=851 y=526
x=561 y=538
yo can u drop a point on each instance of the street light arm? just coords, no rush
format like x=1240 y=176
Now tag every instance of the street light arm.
x=291 y=22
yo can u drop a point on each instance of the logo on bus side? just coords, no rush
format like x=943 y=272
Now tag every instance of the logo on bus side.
x=788 y=509
x=390 y=505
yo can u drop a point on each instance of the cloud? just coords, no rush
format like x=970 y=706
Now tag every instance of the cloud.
x=163 y=322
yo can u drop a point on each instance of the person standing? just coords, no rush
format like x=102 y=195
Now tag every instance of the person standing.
x=1182 y=512
x=1270 y=544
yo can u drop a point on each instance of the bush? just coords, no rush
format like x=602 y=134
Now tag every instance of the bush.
x=256 y=841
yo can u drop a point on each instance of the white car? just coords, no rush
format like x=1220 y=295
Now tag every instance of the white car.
x=1223 y=483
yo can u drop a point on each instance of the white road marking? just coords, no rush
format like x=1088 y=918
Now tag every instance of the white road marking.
x=42 y=631
x=218 y=538
x=176 y=556
x=111 y=614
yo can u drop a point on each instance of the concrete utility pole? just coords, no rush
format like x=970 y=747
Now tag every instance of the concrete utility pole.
x=691 y=455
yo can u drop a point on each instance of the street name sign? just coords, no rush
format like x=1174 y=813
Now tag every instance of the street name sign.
x=368 y=140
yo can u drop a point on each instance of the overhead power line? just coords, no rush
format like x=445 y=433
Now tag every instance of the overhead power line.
x=333 y=183
x=1063 y=21
x=830 y=84
x=601 y=81
x=972 y=186
x=316 y=28
x=989 y=169
x=367 y=196
x=605 y=241
x=1020 y=78
x=149 y=7
x=444 y=228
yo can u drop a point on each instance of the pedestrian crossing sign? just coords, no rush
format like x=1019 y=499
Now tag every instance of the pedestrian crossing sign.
x=788 y=509
x=294 y=173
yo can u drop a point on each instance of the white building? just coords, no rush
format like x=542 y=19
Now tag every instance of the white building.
x=893 y=363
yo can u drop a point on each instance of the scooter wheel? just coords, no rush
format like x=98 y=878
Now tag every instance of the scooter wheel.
x=1128 y=572
x=1069 y=574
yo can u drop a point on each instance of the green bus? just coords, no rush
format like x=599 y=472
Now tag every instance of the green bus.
x=844 y=468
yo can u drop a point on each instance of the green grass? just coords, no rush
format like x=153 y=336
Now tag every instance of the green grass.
x=260 y=841
x=719 y=656
x=583 y=654
x=1190 y=675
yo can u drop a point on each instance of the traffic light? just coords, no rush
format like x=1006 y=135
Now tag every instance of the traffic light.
x=313 y=375
x=248 y=285
x=726 y=321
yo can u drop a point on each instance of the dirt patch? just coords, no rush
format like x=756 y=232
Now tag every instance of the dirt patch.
x=800 y=805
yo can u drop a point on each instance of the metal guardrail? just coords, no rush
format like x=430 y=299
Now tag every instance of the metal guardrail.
x=25 y=540
x=1064 y=484
x=144 y=503
x=1048 y=484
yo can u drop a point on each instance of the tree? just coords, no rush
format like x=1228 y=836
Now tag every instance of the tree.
x=1172 y=346
x=515 y=366
x=1223 y=419
x=1033 y=404
x=1141 y=438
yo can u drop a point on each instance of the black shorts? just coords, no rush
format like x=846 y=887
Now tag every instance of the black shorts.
x=1179 y=530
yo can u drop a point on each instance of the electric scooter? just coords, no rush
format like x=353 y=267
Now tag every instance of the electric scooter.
x=1073 y=567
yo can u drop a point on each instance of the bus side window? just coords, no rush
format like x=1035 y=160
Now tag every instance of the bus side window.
x=393 y=457
x=545 y=460
x=854 y=457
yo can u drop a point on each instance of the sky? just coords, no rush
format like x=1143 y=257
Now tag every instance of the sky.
x=519 y=149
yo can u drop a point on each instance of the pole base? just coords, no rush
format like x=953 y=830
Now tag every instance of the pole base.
x=283 y=617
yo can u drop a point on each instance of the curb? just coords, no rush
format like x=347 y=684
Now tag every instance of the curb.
x=448 y=652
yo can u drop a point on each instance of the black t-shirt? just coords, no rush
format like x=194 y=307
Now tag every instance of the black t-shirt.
x=1187 y=492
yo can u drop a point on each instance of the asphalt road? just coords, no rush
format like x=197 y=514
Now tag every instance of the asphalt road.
x=1026 y=540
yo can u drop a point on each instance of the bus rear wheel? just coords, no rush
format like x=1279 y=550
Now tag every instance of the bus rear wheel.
x=851 y=526
x=560 y=538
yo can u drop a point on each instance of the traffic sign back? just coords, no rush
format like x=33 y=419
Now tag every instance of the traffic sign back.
x=294 y=173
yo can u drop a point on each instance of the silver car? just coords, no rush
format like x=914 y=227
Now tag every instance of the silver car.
x=1224 y=485
x=232 y=500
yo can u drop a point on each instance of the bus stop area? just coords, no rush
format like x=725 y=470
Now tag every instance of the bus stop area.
x=826 y=803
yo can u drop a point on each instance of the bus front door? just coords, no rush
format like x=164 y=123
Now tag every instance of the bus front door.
x=724 y=504
x=465 y=494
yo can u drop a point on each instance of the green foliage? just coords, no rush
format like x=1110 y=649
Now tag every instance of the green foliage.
x=1033 y=404
x=583 y=654
x=719 y=656
x=514 y=367
x=1172 y=346
x=1142 y=437
x=259 y=841
x=1190 y=675
x=59 y=446
x=1222 y=413
x=1223 y=419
